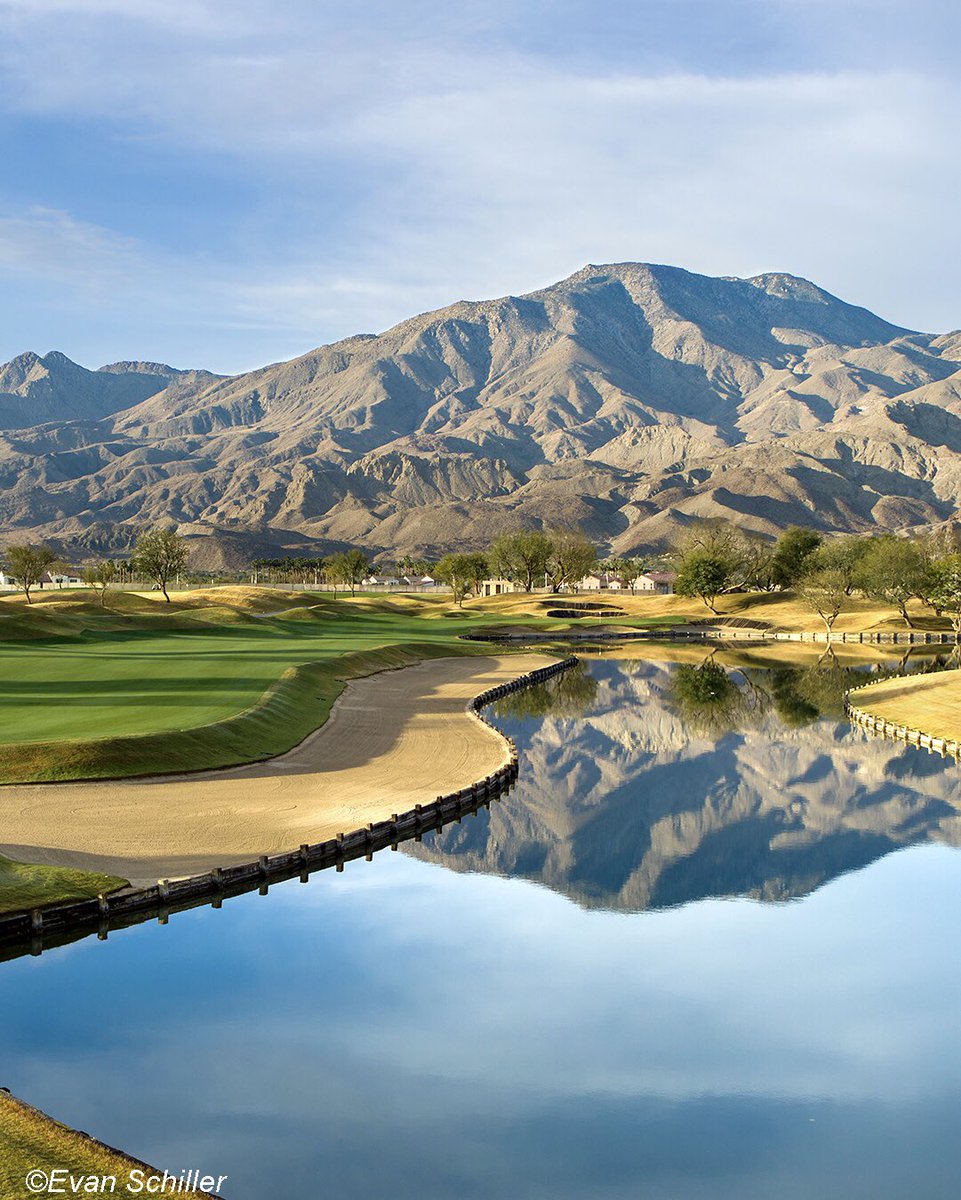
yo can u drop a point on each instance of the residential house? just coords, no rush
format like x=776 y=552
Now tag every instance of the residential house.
x=659 y=582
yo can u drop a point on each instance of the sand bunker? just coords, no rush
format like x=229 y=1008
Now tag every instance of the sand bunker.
x=393 y=740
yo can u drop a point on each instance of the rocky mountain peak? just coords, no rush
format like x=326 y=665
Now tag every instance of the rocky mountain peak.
x=629 y=398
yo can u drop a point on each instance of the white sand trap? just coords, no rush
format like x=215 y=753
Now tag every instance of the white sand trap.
x=393 y=740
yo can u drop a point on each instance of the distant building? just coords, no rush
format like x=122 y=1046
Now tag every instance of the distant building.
x=599 y=581
x=660 y=582
x=381 y=581
x=497 y=587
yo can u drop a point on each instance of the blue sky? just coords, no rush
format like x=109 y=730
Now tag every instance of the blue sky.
x=226 y=184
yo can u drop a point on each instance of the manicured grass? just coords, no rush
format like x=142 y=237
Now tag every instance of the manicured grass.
x=32 y=1141
x=930 y=703
x=129 y=680
x=23 y=885
x=231 y=675
x=215 y=680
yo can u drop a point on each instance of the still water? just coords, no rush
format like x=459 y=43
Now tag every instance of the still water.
x=707 y=948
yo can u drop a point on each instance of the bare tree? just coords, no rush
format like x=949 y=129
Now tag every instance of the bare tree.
x=825 y=590
x=100 y=576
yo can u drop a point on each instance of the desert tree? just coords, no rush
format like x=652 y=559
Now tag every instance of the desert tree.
x=99 y=576
x=160 y=554
x=462 y=573
x=573 y=555
x=626 y=570
x=944 y=588
x=844 y=554
x=791 y=552
x=350 y=568
x=894 y=571
x=825 y=590
x=522 y=556
x=27 y=564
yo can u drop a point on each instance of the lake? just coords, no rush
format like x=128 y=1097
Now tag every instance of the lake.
x=707 y=948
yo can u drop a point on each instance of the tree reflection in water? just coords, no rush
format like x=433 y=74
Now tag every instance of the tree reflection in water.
x=569 y=694
x=713 y=700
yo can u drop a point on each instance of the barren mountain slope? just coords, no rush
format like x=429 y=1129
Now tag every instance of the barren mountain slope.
x=627 y=398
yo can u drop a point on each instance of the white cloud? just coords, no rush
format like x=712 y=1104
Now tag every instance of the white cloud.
x=415 y=163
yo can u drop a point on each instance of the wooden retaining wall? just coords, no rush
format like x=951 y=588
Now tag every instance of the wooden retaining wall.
x=908 y=637
x=880 y=727
x=56 y=924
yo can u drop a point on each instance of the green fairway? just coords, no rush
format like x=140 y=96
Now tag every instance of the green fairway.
x=216 y=680
x=115 y=684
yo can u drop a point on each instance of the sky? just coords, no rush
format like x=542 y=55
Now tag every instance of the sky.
x=225 y=183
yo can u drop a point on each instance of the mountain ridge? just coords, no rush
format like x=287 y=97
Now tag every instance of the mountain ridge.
x=628 y=398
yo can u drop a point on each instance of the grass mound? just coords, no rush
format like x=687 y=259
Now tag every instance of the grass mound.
x=32 y=1141
x=23 y=885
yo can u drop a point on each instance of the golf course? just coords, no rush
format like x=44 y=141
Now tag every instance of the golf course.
x=166 y=710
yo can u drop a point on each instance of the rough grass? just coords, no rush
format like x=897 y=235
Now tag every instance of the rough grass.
x=774 y=611
x=30 y=1140
x=930 y=703
x=23 y=885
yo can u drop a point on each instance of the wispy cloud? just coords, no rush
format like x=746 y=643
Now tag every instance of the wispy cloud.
x=49 y=242
x=391 y=157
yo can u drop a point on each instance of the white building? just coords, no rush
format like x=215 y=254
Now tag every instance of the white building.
x=590 y=583
x=497 y=587
x=599 y=581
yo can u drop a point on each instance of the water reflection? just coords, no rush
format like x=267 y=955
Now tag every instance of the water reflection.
x=658 y=783
x=401 y=1031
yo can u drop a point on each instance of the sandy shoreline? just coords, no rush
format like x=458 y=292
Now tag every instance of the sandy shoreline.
x=393 y=740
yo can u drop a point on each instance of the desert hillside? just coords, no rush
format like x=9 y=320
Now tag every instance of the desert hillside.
x=628 y=399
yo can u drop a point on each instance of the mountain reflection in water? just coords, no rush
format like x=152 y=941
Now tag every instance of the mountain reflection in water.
x=648 y=784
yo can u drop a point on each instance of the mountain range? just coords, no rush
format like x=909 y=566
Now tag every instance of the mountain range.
x=628 y=399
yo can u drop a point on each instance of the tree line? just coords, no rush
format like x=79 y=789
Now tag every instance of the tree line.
x=714 y=558
x=824 y=572
x=158 y=555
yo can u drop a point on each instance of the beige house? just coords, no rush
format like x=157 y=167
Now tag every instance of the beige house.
x=497 y=587
x=660 y=582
